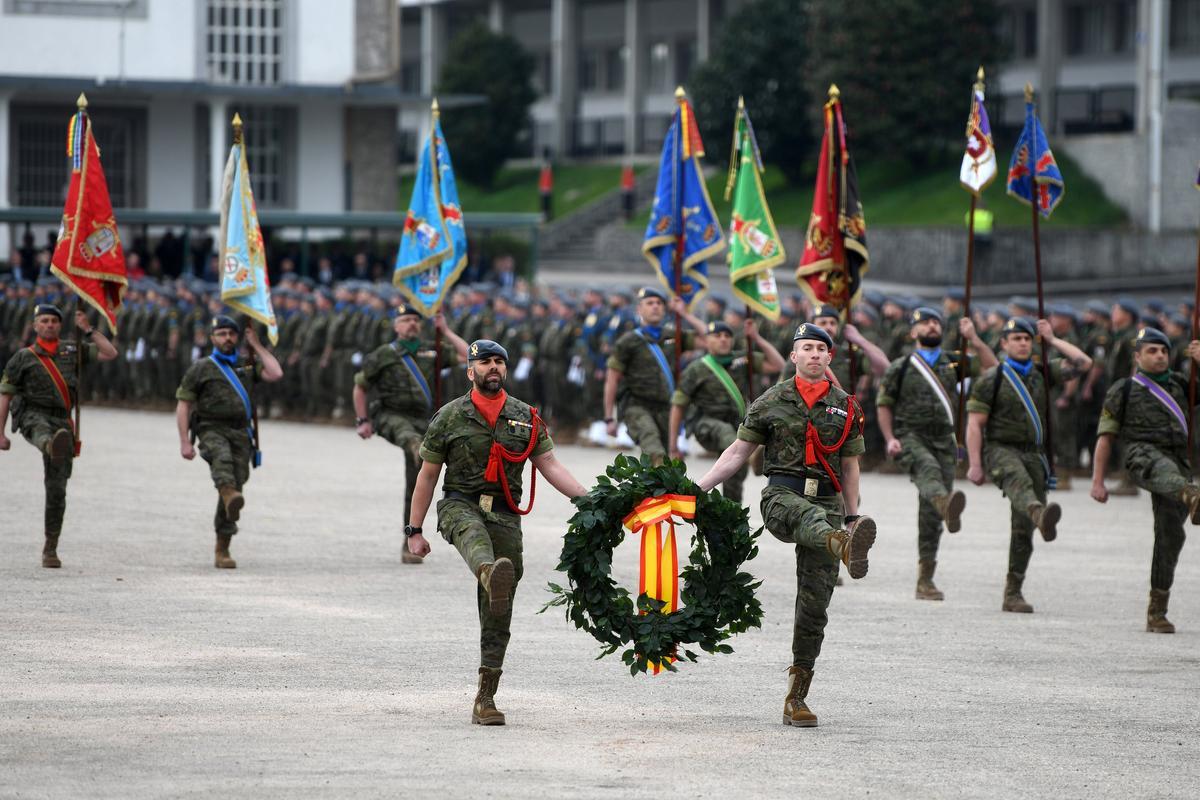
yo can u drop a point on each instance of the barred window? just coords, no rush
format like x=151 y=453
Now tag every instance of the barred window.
x=1185 y=26
x=269 y=133
x=244 y=41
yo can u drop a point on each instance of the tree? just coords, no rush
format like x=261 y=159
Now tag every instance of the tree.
x=904 y=67
x=482 y=137
x=760 y=54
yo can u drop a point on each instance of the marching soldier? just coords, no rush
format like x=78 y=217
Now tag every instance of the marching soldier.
x=812 y=432
x=483 y=439
x=40 y=386
x=713 y=392
x=218 y=390
x=918 y=405
x=393 y=395
x=1008 y=404
x=640 y=381
x=1147 y=412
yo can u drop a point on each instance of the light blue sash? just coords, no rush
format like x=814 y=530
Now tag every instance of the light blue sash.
x=416 y=373
x=661 y=358
x=1035 y=419
x=236 y=383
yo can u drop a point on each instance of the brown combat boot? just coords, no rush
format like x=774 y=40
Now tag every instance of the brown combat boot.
x=1156 y=614
x=232 y=500
x=60 y=447
x=1013 y=601
x=50 y=552
x=950 y=508
x=485 y=711
x=1046 y=518
x=795 y=711
x=1190 y=495
x=852 y=545
x=925 y=587
x=408 y=556
x=497 y=580
x=223 y=560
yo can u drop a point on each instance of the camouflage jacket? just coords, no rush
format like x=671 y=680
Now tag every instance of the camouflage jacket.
x=703 y=394
x=915 y=405
x=779 y=419
x=25 y=376
x=205 y=386
x=1136 y=415
x=1008 y=423
x=644 y=380
x=459 y=438
x=388 y=378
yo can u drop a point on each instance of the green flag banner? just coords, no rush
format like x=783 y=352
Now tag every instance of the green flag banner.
x=755 y=248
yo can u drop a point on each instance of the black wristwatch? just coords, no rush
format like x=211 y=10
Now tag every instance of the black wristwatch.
x=89 y=333
x=409 y=530
x=607 y=420
x=361 y=420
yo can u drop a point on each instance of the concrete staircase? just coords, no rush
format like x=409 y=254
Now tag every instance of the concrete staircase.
x=569 y=244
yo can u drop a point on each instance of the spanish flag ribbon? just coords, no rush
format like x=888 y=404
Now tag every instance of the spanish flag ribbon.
x=659 y=577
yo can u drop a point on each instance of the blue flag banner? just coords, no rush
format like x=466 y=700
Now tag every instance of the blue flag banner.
x=1033 y=171
x=244 y=282
x=684 y=231
x=433 y=246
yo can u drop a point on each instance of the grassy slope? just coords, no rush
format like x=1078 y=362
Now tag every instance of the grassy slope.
x=516 y=189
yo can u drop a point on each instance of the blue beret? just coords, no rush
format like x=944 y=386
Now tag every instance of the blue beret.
x=1150 y=335
x=956 y=293
x=1097 y=307
x=922 y=313
x=1019 y=325
x=651 y=291
x=1156 y=305
x=485 y=348
x=1129 y=305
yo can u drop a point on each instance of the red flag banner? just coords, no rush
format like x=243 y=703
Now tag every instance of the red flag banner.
x=88 y=256
x=835 y=255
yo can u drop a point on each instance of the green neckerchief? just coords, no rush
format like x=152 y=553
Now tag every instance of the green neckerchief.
x=723 y=376
x=724 y=361
x=1162 y=379
x=410 y=346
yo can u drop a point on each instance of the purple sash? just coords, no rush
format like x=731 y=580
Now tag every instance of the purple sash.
x=1163 y=397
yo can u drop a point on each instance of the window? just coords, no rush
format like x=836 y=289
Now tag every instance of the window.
x=1185 y=26
x=270 y=136
x=1018 y=30
x=614 y=69
x=589 y=70
x=543 y=73
x=244 y=41
x=685 y=60
x=39 y=165
x=1100 y=28
x=130 y=9
x=658 y=74
x=410 y=76
x=602 y=69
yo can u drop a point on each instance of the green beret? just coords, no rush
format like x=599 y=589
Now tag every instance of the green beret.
x=222 y=322
x=41 y=309
x=809 y=330
x=717 y=326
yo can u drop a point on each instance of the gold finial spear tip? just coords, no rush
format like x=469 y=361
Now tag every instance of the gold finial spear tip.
x=834 y=91
x=1029 y=93
x=81 y=102
x=979 y=74
x=237 y=120
x=741 y=102
x=435 y=107
x=680 y=94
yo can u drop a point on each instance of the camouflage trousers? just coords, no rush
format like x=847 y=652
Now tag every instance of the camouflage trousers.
x=406 y=433
x=228 y=452
x=1021 y=476
x=480 y=538
x=38 y=429
x=1163 y=475
x=790 y=515
x=648 y=426
x=714 y=435
x=929 y=462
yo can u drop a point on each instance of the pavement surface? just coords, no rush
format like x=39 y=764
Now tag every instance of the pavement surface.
x=321 y=667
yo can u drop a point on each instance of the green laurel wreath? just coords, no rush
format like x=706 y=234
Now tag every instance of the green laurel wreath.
x=717 y=597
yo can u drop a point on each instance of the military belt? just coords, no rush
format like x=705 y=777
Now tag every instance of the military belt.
x=487 y=502
x=232 y=422
x=809 y=487
x=49 y=411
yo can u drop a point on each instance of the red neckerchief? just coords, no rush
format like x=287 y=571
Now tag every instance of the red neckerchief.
x=49 y=347
x=811 y=392
x=489 y=407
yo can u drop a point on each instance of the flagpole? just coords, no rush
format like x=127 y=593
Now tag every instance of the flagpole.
x=1037 y=265
x=962 y=346
x=1192 y=375
x=81 y=103
x=437 y=332
x=680 y=97
x=239 y=141
x=837 y=173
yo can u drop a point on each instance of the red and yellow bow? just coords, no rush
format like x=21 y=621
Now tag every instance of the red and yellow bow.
x=659 y=577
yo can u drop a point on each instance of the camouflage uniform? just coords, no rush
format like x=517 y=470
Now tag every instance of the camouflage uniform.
x=221 y=426
x=459 y=438
x=644 y=399
x=398 y=406
x=926 y=432
x=779 y=419
x=40 y=413
x=712 y=414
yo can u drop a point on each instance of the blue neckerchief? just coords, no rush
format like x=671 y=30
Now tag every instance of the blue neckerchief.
x=340 y=306
x=226 y=364
x=1022 y=367
x=653 y=332
x=930 y=356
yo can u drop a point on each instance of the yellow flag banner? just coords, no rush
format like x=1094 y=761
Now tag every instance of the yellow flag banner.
x=659 y=578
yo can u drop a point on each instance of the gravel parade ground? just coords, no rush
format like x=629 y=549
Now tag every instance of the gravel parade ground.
x=322 y=667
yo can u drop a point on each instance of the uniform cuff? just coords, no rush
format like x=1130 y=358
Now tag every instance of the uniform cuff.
x=360 y=380
x=978 y=407
x=753 y=437
x=185 y=395
x=429 y=456
x=680 y=399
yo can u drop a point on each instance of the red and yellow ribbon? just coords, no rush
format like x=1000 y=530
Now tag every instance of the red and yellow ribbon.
x=659 y=577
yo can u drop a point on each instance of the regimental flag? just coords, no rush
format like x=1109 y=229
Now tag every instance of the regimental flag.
x=684 y=231
x=245 y=285
x=1033 y=169
x=433 y=246
x=979 y=161
x=88 y=256
x=835 y=255
x=755 y=248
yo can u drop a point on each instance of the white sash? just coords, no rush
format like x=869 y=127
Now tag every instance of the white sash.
x=931 y=378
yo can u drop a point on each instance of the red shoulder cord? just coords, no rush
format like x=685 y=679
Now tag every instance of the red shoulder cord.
x=496 y=472
x=816 y=450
